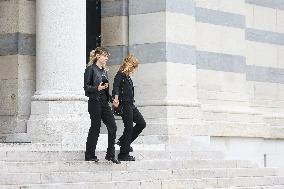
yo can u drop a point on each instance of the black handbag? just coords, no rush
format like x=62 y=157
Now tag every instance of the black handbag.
x=118 y=111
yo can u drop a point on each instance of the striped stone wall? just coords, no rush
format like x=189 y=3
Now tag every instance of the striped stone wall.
x=164 y=71
x=17 y=67
x=224 y=56
x=265 y=57
x=221 y=53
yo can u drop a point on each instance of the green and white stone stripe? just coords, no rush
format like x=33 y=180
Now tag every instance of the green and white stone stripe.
x=264 y=36
x=275 y=4
x=17 y=43
x=187 y=54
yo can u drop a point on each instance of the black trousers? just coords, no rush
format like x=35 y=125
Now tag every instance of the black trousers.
x=100 y=110
x=130 y=114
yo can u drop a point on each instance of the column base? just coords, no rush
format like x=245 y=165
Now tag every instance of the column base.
x=65 y=122
x=13 y=128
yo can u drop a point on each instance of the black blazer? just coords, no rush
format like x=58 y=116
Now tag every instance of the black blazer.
x=92 y=79
x=123 y=87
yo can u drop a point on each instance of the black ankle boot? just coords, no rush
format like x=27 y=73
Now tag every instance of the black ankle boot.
x=126 y=158
x=95 y=159
x=112 y=159
x=119 y=144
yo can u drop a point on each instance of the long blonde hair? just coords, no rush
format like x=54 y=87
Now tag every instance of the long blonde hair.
x=129 y=64
x=93 y=58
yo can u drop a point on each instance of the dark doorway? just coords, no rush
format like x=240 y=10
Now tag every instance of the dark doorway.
x=93 y=26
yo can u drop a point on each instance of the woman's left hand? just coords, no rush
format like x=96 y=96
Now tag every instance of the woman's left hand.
x=115 y=102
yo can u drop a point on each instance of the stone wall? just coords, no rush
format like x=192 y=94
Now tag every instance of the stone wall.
x=208 y=68
x=17 y=67
x=181 y=45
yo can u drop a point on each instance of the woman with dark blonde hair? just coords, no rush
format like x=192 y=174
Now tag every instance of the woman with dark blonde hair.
x=123 y=93
x=97 y=89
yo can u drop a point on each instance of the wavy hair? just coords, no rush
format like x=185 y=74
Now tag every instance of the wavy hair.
x=129 y=64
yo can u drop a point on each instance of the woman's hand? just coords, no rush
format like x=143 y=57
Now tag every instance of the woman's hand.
x=115 y=101
x=115 y=104
x=102 y=87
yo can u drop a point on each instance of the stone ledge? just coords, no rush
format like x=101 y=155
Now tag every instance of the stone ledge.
x=185 y=103
x=15 y=137
x=59 y=97
x=235 y=129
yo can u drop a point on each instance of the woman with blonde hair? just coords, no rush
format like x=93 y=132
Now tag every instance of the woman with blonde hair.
x=123 y=93
x=97 y=89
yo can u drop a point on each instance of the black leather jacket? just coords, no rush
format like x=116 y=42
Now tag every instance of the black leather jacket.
x=92 y=79
x=123 y=87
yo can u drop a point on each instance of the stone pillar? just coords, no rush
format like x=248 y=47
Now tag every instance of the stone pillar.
x=59 y=110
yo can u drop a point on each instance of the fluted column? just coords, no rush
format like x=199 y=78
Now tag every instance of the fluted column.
x=59 y=109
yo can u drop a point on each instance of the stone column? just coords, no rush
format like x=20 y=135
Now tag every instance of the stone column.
x=59 y=110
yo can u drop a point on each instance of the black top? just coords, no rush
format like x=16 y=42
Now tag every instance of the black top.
x=93 y=76
x=123 y=87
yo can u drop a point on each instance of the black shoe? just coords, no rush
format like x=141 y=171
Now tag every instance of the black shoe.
x=126 y=158
x=95 y=159
x=112 y=159
x=119 y=144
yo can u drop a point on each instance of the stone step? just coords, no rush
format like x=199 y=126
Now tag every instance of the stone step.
x=85 y=166
x=149 y=142
x=222 y=183
x=224 y=173
x=111 y=176
x=33 y=147
x=256 y=187
x=238 y=182
x=227 y=176
x=90 y=185
x=79 y=155
x=143 y=142
x=44 y=147
x=250 y=181
x=75 y=177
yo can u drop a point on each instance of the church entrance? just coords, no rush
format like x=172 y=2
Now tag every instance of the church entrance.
x=93 y=25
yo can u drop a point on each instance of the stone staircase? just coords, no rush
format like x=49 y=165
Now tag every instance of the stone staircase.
x=53 y=166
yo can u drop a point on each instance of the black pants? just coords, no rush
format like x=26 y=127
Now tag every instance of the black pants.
x=130 y=114
x=100 y=110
